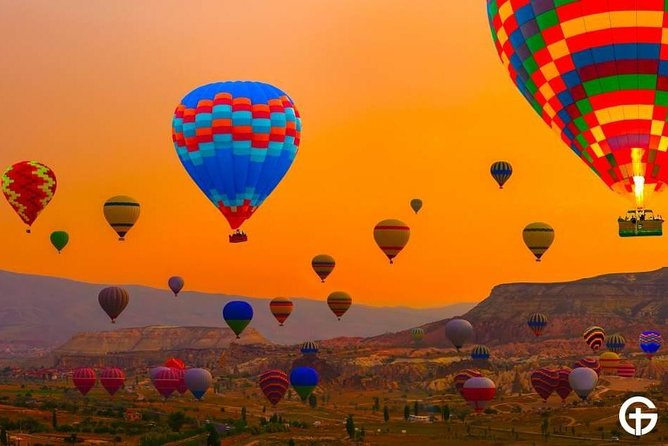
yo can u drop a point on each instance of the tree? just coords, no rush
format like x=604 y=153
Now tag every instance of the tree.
x=386 y=414
x=54 y=419
x=544 y=426
x=350 y=427
x=446 y=413
x=415 y=408
x=312 y=401
x=407 y=412
x=243 y=414
x=291 y=442
x=376 y=403
x=214 y=438
x=176 y=420
x=4 y=439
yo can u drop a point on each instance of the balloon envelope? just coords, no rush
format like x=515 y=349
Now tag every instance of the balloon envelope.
x=121 y=212
x=537 y=323
x=594 y=337
x=391 y=236
x=198 y=381
x=462 y=377
x=303 y=380
x=589 y=363
x=480 y=352
x=615 y=343
x=564 y=387
x=339 y=302
x=28 y=186
x=609 y=362
x=175 y=363
x=416 y=205
x=175 y=284
x=501 y=172
x=112 y=379
x=538 y=237
x=113 y=301
x=583 y=380
x=281 y=308
x=237 y=314
x=166 y=381
x=323 y=265
x=417 y=334
x=650 y=342
x=459 y=332
x=309 y=348
x=84 y=379
x=274 y=384
x=545 y=381
x=59 y=239
x=479 y=391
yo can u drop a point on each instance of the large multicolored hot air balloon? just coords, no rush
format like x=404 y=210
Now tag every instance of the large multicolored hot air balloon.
x=479 y=391
x=564 y=387
x=609 y=362
x=281 y=308
x=121 y=212
x=594 y=337
x=112 y=379
x=416 y=205
x=28 y=186
x=339 y=302
x=463 y=376
x=391 y=236
x=615 y=343
x=537 y=323
x=84 y=379
x=538 y=237
x=589 y=363
x=304 y=380
x=501 y=172
x=274 y=384
x=59 y=240
x=545 y=381
x=237 y=314
x=236 y=140
x=417 y=334
x=583 y=380
x=309 y=348
x=459 y=332
x=650 y=342
x=595 y=72
x=113 y=301
x=323 y=265
x=480 y=352
x=198 y=381
x=166 y=381
x=175 y=283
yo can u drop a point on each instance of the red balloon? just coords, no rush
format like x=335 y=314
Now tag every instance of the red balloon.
x=181 y=387
x=175 y=363
x=84 y=379
x=274 y=384
x=166 y=381
x=564 y=387
x=28 y=187
x=479 y=391
x=112 y=379
x=545 y=381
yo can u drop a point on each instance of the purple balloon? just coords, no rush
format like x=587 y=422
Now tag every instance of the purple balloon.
x=175 y=284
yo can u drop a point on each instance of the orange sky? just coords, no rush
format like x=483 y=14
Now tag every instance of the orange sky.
x=398 y=100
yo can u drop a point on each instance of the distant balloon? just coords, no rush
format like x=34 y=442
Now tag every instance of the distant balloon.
x=537 y=323
x=121 y=212
x=281 y=308
x=309 y=348
x=501 y=172
x=274 y=384
x=175 y=284
x=416 y=205
x=479 y=391
x=237 y=314
x=198 y=381
x=589 y=363
x=650 y=342
x=391 y=237
x=152 y=373
x=480 y=352
x=564 y=387
x=166 y=381
x=303 y=380
x=323 y=265
x=175 y=363
x=583 y=380
x=113 y=301
x=112 y=379
x=28 y=186
x=417 y=334
x=462 y=377
x=538 y=237
x=615 y=343
x=626 y=370
x=339 y=302
x=459 y=332
x=59 y=240
x=609 y=362
x=594 y=337
x=545 y=381
x=84 y=379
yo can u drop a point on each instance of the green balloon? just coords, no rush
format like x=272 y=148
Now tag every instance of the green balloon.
x=59 y=239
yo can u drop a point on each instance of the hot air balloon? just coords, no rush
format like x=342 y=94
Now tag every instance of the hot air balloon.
x=459 y=332
x=84 y=379
x=237 y=315
x=198 y=381
x=121 y=212
x=609 y=362
x=113 y=301
x=274 y=384
x=545 y=381
x=281 y=308
x=479 y=391
x=303 y=380
x=462 y=377
x=594 y=337
x=417 y=334
x=166 y=381
x=589 y=363
x=175 y=284
x=594 y=72
x=537 y=323
x=626 y=370
x=309 y=348
x=416 y=205
x=153 y=373
x=175 y=363
x=538 y=237
x=391 y=236
x=181 y=386
x=323 y=265
x=236 y=140
x=28 y=186
x=564 y=387
x=501 y=172
x=339 y=302
x=615 y=343
x=650 y=342
x=59 y=240
x=582 y=380
x=480 y=352
x=112 y=379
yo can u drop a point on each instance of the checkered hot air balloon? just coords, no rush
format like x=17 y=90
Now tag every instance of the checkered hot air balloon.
x=650 y=342
x=28 y=186
x=236 y=140
x=597 y=73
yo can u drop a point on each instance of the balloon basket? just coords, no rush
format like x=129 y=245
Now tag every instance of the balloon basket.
x=640 y=223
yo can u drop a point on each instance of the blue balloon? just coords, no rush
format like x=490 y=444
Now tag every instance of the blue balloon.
x=236 y=140
x=304 y=380
x=237 y=315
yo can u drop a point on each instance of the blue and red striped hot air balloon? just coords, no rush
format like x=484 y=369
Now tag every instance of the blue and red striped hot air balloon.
x=537 y=323
x=274 y=384
x=650 y=342
x=480 y=352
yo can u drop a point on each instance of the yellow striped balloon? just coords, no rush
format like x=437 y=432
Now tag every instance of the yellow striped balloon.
x=339 y=302
x=323 y=265
x=391 y=237
x=121 y=213
x=609 y=363
x=538 y=237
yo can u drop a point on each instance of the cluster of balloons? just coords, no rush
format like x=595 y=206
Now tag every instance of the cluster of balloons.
x=111 y=379
x=274 y=383
x=173 y=376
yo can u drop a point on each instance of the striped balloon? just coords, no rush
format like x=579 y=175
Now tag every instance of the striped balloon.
x=590 y=363
x=537 y=323
x=626 y=370
x=121 y=212
x=112 y=379
x=501 y=172
x=113 y=301
x=650 y=342
x=594 y=337
x=166 y=381
x=545 y=381
x=391 y=237
x=479 y=391
x=609 y=362
x=323 y=265
x=339 y=302
x=274 y=384
x=309 y=348
x=480 y=352
x=564 y=387
x=29 y=186
x=462 y=377
x=417 y=334
x=281 y=308
x=615 y=343
x=84 y=379
x=538 y=237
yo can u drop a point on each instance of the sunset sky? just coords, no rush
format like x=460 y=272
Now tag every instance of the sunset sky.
x=399 y=99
